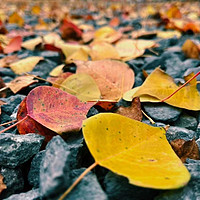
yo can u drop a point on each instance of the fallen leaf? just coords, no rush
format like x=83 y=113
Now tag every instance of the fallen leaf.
x=114 y=22
x=88 y=36
x=106 y=105
x=80 y=54
x=56 y=110
x=2 y=184
x=82 y=86
x=133 y=111
x=2 y=85
x=174 y=12
x=99 y=48
x=143 y=33
x=159 y=85
x=30 y=125
x=191 y=50
x=14 y=45
x=112 y=85
x=15 y=18
x=35 y=10
x=21 y=82
x=135 y=150
x=56 y=81
x=50 y=47
x=168 y=34
x=186 y=149
x=31 y=44
x=25 y=65
x=57 y=70
x=6 y=61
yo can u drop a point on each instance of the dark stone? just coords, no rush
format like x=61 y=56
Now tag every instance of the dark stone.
x=194 y=70
x=162 y=112
x=17 y=149
x=34 y=172
x=117 y=187
x=12 y=103
x=175 y=132
x=7 y=79
x=6 y=72
x=138 y=81
x=14 y=181
x=186 y=121
x=88 y=188
x=55 y=168
x=151 y=63
x=189 y=192
x=30 y=195
x=138 y=62
x=192 y=64
x=92 y=111
x=51 y=55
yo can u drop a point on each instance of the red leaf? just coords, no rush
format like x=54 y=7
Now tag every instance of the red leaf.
x=50 y=47
x=14 y=45
x=56 y=109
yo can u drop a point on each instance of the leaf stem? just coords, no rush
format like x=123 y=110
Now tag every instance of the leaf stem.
x=149 y=118
x=8 y=128
x=4 y=88
x=180 y=87
x=78 y=180
x=8 y=122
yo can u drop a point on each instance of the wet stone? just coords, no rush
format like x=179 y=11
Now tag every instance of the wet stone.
x=14 y=181
x=17 y=149
x=175 y=132
x=162 y=112
x=34 y=172
x=30 y=195
x=118 y=187
x=55 y=168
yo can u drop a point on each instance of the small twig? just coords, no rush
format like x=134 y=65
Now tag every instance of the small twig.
x=4 y=88
x=8 y=122
x=180 y=87
x=153 y=51
x=78 y=180
x=8 y=128
x=149 y=118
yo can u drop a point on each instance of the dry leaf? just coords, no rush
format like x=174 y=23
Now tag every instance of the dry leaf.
x=186 y=149
x=135 y=150
x=57 y=70
x=2 y=85
x=31 y=44
x=101 y=50
x=159 y=85
x=133 y=111
x=15 y=18
x=25 y=65
x=80 y=54
x=14 y=45
x=191 y=50
x=112 y=85
x=6 y=61
x=21 y=82
x=2 y=184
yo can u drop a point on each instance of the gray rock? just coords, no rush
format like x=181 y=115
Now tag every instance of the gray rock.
x=17 y=149
x=175 y=132
x=186 y=121
x=30 y=195
x=117 y=187
x=162 y=112
x=191 y=65
x=189 y=192
x=151 y=62
x=195 y=70
x=34 y=172
x=14 y=181
x=6 y=72
x=55 y=168
x=88 y=188
x=51 y=55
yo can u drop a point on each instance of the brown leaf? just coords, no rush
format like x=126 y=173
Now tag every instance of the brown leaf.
x=6 y=61
x=2 y=185
x=186 y=149
x=21 y=82
x=190 y=49
x=133 y=111
x=2 y=85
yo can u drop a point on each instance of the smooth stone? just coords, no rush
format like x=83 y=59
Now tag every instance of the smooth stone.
x=17 y=149
x=175 y=132
x=30 y=195
x=6 y=72
x=14 y=181
x=34 y=172
x=88 y=188
x=151 y=63
x=162 y=112
x=55 y=168
x=186 y=121
x=192 y=64
x=117 y=187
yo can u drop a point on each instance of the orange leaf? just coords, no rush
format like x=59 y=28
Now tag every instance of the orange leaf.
x=2 y=184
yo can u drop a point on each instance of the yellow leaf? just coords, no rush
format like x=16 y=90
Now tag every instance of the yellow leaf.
x=191 y=50
x=35 y=10
x=31 y=44
x=104 y=32
x=25 y=65
x=102 y=50
x=52 y=38
x=80 y=54
x=57 y=70
x=168 y=34
x=82 y=86
x=135 y=150
x=160 y=85
x=15 y=18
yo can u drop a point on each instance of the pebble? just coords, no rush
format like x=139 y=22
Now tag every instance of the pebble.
x=194 y=70
x=17 y=149
x=55 y=168
x=175 y=132
x=162 y=112
x=14 y=181
x=88 y=188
